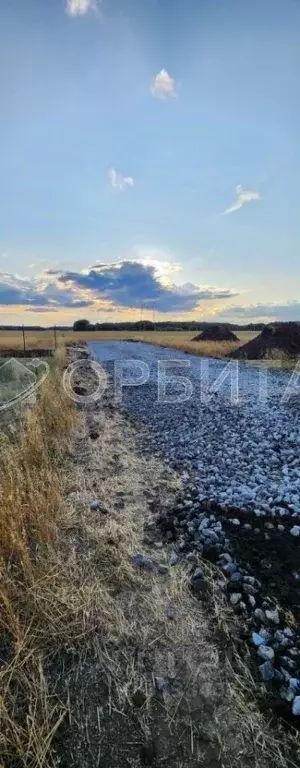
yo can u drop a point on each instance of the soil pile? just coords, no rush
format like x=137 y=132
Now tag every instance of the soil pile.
x=216 y=333
x=282 y=337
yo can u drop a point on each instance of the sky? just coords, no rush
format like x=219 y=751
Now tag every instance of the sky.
x=149 y=160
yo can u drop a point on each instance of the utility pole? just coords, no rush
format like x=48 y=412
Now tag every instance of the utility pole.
x=24 y=342
x=55 y=339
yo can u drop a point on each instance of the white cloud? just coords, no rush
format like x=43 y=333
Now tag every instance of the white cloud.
x=284 y=311
x=118 y=181
x=163 y=86
x=242 y=196
x=81 y=7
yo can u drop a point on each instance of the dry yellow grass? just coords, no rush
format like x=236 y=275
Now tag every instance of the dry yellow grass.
x=30 y=498
x=181 y=340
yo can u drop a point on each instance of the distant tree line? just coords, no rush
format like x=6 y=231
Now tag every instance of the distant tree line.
x=165 y=325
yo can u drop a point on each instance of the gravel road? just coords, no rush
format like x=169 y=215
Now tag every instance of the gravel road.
x=243 y=454
x=237 y=449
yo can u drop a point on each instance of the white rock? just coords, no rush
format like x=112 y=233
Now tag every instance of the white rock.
x=296 y=706
x=295 y=531
x=273 y=615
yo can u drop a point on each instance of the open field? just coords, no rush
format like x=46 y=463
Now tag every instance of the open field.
x=182 y=340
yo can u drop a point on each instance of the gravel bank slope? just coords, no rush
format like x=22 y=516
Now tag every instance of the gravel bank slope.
x=239 y=463
x=245 y=455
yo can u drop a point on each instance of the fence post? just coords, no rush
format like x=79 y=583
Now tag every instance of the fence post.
x=24 y=341
x=55 y=339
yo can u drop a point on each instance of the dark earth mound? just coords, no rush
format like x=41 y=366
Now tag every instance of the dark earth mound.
x=27 y=353
x=216 y=333
x=284 y=337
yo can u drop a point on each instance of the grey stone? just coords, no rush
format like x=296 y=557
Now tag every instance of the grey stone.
x=286 y=674
x=226 y=557
x=174 y=559
x=257 y=639
x=143 y=561
x=191 y=557
x=249 y=589
x=266 y=671
x=260 y=616
x=94 y=505
x=162 y=569
x=266 y=652
x=288 y=632
x=273 y=615
x=229 y=568
x=235 y=577
x=295 y=531
x=278 y=675
x=198 y=574
x=160 y=684
x=235 y=598
x=293 y=652
x=289 y=663
x=286 y=694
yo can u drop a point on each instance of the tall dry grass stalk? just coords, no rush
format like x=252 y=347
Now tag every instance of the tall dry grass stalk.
x=30 y=466
x=30 y=481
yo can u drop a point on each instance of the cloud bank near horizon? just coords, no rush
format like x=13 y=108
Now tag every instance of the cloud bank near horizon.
x=285 y=312
x=128 y=284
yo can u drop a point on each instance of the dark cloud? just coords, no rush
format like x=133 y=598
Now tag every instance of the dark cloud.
x=130 y=284
x=126 y=284
x=286 y=312
x=15 y=290
x=14 y=295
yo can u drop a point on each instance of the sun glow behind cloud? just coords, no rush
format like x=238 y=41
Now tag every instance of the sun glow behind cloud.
x=122 y=285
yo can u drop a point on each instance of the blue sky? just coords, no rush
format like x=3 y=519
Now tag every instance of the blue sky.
x=149 y=155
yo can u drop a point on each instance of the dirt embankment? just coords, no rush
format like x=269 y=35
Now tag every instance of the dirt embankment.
x=274 y=340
